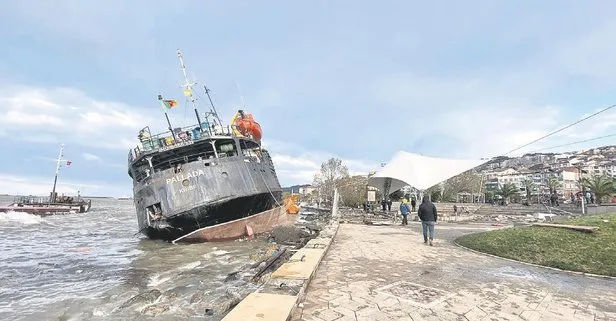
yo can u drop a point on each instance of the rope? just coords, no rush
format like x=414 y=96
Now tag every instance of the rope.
x=268 y=188
x=573 y=143
x=271 y=193
x=560 y=130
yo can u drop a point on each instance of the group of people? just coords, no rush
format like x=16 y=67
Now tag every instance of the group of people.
x=427 y=214
x=589 y=198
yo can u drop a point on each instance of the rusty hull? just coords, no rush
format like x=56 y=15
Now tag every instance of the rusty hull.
x=248 y=226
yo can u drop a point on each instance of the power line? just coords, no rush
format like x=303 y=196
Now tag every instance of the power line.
x=560 y=130
x=573 y=143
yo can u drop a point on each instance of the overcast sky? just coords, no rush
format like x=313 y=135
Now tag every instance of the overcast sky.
x=358 y=80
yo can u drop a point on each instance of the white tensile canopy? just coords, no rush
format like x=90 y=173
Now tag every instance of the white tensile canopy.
x=420 y=172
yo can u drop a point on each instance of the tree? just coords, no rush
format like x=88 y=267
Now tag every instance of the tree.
x=554 y=184
x=530 y=187
x=601 y=185
x=488 y=195
x=332 y=171
x=434 y=192
x=468 y=182
x=507 y=191
x=353 y=190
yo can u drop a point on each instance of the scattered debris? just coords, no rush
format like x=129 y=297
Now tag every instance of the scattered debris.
x=290 y=235
x=585 y=229
x=268 y=263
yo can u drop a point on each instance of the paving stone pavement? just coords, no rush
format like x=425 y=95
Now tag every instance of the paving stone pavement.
x=387 y=273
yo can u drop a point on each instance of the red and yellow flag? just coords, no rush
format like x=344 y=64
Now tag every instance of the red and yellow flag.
x=170 y=103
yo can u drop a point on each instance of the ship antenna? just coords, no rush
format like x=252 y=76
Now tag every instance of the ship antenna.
x=207 y=92
x=237 y=83
x=52 y=197
x=188 y=88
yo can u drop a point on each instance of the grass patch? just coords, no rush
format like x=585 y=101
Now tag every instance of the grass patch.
x=555 y=247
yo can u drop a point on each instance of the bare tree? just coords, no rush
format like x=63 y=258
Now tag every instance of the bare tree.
x=332 y=171
x=353 y=190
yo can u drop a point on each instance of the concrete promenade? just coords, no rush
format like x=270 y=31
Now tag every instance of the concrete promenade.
x=387 y=273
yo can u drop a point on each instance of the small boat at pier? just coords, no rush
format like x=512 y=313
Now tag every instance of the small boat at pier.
x=43 y=206
x=54 y=204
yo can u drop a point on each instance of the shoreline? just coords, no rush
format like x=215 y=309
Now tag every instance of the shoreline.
x=280 y=294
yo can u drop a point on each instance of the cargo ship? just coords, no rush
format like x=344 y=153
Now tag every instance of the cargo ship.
x=190 y=180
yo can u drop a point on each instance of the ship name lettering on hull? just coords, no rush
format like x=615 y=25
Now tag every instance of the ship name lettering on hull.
x=187 y=189
x=181 y=177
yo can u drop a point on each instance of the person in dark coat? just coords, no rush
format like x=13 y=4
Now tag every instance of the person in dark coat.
x=389 y=202
x=413 y=204
x=428 y=215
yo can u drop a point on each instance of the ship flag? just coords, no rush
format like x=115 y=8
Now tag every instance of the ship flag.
x=170 y=103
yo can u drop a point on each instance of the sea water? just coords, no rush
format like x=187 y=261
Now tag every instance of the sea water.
x=94 y=266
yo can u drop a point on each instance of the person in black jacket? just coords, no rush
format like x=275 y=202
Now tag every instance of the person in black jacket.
x=428 y=215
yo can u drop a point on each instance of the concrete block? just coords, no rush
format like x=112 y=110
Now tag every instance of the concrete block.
x=263 y=307
x=301 y=265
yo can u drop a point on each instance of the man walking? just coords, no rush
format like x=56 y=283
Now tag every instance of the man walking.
x=428 y=215
x=413 y=204
x=404 y=210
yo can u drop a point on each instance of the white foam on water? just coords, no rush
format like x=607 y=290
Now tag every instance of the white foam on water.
x=215 y=253
x=156 y=280
x=190 y=266
x=20 y=217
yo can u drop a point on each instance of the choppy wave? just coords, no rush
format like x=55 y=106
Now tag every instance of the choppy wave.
x=92 y=266
x=19 y=217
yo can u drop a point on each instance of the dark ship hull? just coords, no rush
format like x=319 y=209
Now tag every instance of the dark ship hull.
x=211 y=215
x=220 y=185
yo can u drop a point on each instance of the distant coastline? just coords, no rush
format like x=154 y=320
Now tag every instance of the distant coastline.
x=93 y=197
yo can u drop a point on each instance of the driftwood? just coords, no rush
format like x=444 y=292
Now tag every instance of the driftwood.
x=585 y=229
x=268 y=263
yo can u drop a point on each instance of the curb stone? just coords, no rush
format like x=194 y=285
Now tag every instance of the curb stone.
x=279 y=297
x=600 y=276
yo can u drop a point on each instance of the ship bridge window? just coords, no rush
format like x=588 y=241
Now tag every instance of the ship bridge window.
x=176 y=158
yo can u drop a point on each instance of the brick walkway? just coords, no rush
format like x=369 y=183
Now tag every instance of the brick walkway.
x=387 y=273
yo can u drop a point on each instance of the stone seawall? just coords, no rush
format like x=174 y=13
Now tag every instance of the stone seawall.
x=277 y=298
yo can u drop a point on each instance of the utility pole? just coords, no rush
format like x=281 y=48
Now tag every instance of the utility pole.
x=579 y=168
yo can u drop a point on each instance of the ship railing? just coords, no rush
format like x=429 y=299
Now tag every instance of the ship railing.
x=29 y=200
x=208 y=158
x=179 y=137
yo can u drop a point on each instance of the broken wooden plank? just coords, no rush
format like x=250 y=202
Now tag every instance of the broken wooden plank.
x=586 y=229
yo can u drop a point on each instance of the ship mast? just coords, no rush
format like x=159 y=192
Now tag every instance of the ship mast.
x=188 y=92
x=52 y=197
